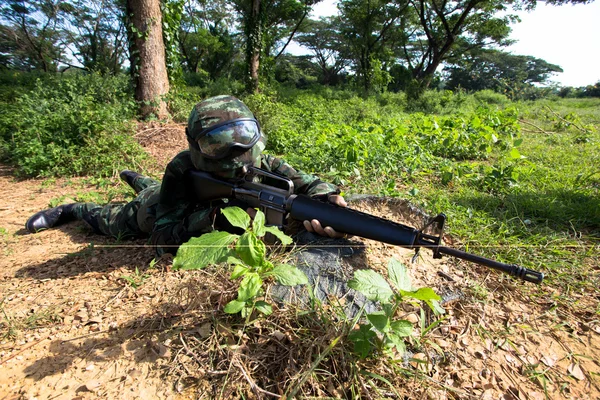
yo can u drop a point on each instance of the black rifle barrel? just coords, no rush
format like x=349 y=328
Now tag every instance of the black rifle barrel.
x=368 y=226
x=517 y=271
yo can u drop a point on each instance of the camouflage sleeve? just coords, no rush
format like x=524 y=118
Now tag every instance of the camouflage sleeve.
x=303 y=183
x=177 y=218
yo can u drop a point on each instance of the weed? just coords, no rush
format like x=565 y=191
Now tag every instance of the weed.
x=12 y=326
x=136 y=280
x=382 y=332
x=247 y=255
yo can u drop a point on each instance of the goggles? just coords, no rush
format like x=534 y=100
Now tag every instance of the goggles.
x=216 y=141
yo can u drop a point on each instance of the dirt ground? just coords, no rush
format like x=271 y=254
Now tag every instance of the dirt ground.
x=83 y=316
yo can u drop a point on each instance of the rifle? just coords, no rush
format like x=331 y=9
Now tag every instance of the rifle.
x=277 y=200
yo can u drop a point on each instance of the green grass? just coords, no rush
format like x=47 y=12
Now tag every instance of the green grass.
x=533 y=198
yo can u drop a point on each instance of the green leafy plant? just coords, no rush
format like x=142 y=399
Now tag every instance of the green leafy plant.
x=247 y=254
x=136 y=280
x=382 y=331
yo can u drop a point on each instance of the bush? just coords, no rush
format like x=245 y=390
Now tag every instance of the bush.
x=490 y=97
x=442 y=102
x=71 y=125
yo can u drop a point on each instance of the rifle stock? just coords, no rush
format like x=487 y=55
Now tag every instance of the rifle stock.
x=277 y=202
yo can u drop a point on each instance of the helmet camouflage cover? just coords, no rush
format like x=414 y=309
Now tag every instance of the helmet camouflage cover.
x=219 y=110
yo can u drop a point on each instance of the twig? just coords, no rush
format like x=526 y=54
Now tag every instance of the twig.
x=253 y=384
x=23 y=349
x=191 y=353
x=535 y=126
x=114 y=298
x=84 y=336
x=568 y=122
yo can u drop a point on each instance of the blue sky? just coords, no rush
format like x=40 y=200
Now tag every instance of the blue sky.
x=568 y=36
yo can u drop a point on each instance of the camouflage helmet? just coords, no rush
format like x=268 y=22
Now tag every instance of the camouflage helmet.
x=223 y=135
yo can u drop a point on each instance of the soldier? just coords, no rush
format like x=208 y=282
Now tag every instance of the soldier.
x=224 y=139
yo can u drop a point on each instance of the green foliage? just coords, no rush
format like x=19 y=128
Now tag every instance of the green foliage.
x=498 y=70
x=135 y=280
x=354 y=140
x=248 y=256
x=71 y=125
x=382 y=331
x=172 y=13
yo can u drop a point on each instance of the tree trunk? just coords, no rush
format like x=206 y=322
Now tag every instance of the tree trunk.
x=147 y=49
x=254 y=46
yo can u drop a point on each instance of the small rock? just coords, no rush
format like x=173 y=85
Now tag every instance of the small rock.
x=205 y=330
x=135 y=373
x=90 y=367
x=93 y=385
x=412 y=318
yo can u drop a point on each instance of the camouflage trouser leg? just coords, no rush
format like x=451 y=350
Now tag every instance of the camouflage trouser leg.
x=133 y=219
x=142 y=182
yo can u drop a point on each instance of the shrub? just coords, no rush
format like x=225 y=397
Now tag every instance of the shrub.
x=490 y=97
x=71 y=125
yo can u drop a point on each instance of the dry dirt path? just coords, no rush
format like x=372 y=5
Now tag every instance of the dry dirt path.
x=73 y=326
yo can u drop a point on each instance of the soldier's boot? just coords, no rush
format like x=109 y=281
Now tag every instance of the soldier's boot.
x=130 y=177
x=51 y=217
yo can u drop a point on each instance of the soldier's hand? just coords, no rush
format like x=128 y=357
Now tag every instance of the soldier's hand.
x=314 y=225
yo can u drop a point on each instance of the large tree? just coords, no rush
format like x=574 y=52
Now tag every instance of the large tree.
x=324 y=40
x=264 y=23
x=444 y=30
x=30 y=34
x=97 y=34
x=147 y=56
x=498 y=70
x=369 y=27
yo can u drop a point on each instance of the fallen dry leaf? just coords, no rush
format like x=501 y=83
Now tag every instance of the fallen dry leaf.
x=549 y=360
x=576 y=372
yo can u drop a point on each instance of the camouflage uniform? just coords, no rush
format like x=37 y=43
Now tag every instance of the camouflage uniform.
x=168 y=212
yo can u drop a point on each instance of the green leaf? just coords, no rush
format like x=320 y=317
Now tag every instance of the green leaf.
x=239 y=270
x=362 y=348
x=258 y=224
x=392 y=340
x=264 y=307
x=514 y=154
x=372 y=285
x=198 y=252
x=362 y=340
x=399 y=275
x=424 y=294
x=380 y=321
x=249 y=287
x=289 y=275
x=237 y=217
x=234 y=306
x=402 y=328
x=285 y=239
x=251 y=249
x=435 y=306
